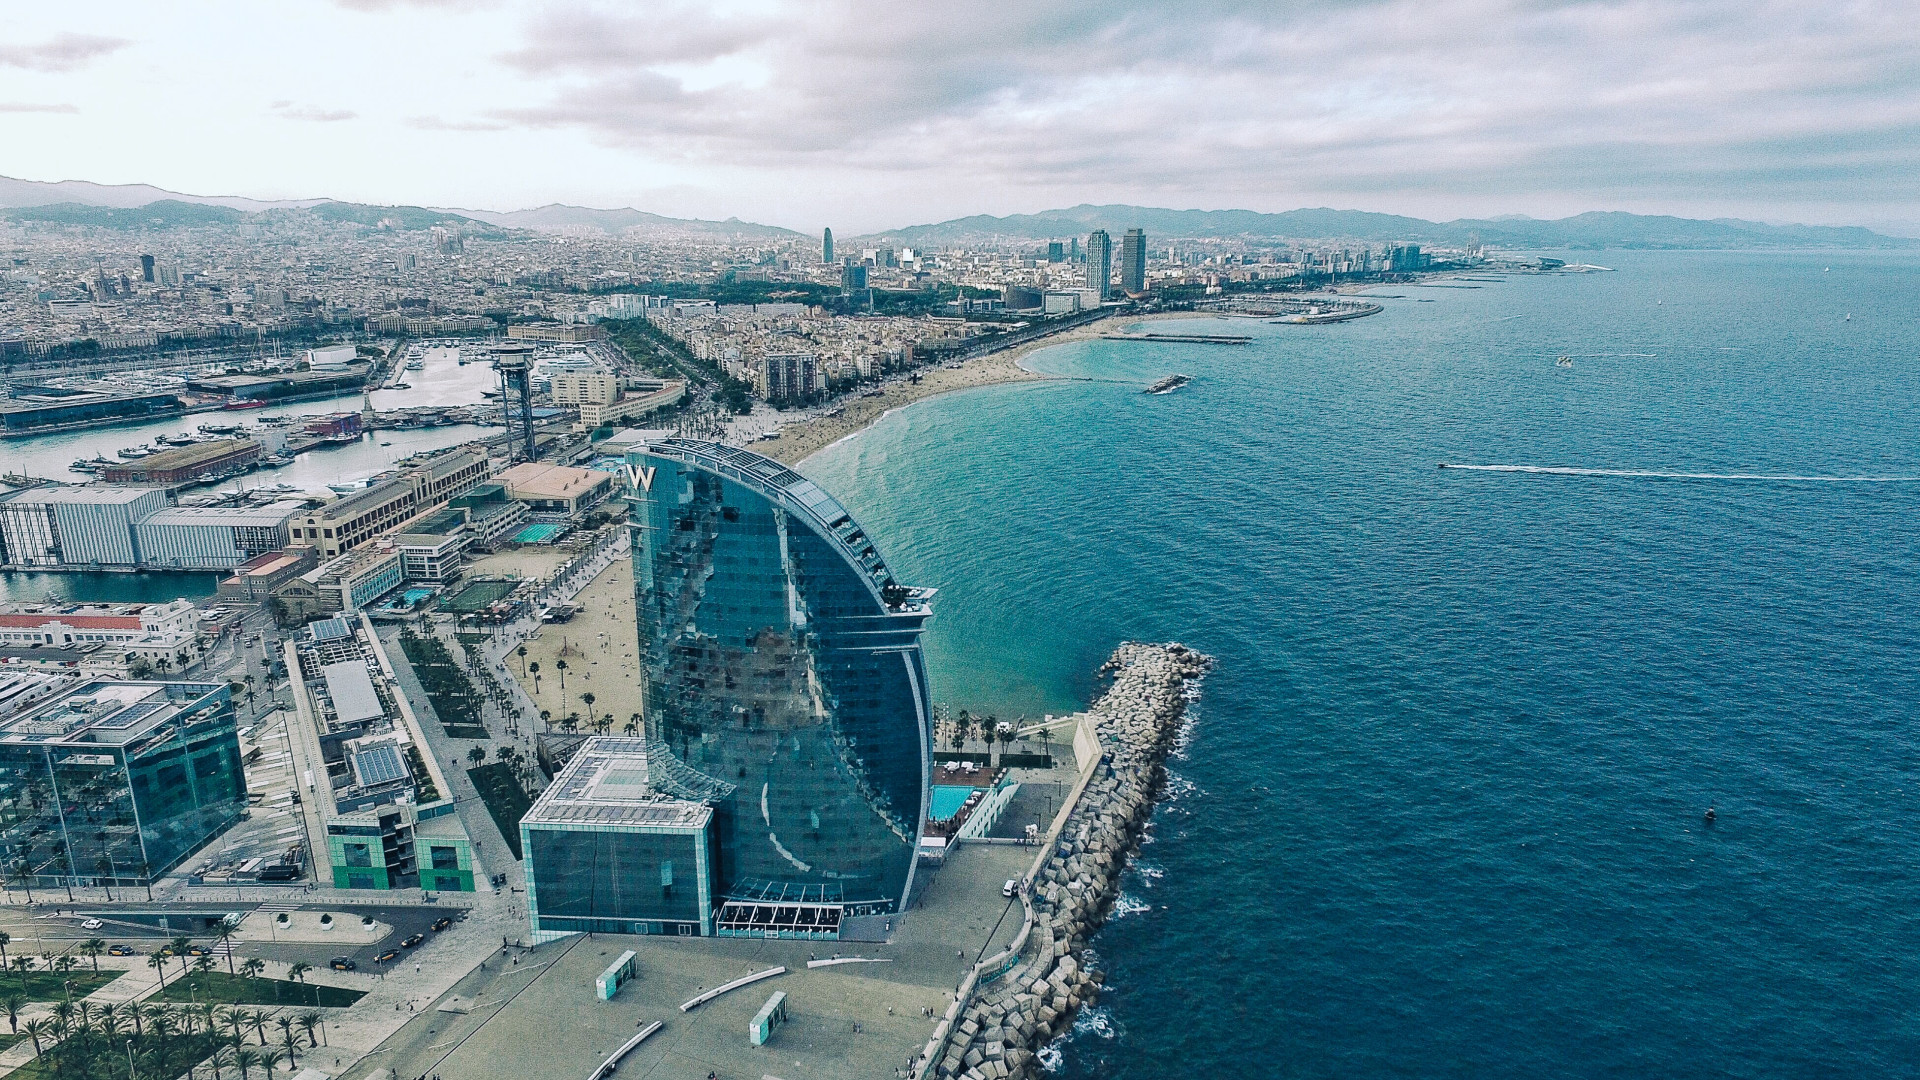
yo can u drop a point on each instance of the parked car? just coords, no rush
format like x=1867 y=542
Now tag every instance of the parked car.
x=441 y=923
x=92 y=924
x=412 y=941
x=342 y=963
x=390 y=954
x=120 y=950
x=1012 y=886
x=199 y=950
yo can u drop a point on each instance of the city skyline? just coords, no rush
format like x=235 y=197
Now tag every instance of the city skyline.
x=868 y=117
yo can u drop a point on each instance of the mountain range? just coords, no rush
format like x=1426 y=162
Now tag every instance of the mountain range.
x=132 y=206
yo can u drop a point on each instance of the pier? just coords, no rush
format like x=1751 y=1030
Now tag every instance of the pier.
x=1201 y=339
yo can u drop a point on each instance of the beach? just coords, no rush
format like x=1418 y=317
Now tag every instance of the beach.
x=803 y=438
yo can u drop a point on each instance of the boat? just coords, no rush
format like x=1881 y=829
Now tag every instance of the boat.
x=401 y=386
x=136 y=452
x=415 y=365
x=1168 y=385
x=386 y=443
x=219 y=429
x=1565 y=361
x=246 y=403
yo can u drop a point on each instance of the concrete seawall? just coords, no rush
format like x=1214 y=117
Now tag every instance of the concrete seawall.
x=1017 y=1000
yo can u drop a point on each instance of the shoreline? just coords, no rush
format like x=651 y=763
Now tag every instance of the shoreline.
x=800 y=441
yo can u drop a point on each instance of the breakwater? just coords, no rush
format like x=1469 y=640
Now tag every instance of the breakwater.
x=1014 y=1002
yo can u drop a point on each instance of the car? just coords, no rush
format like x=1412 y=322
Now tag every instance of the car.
x=1012 y=886
x=441 y=923
x=199 y=950
x=342 y=963
x=92 y=924
x=120 y=950
x=390 y=954
x=413 y=940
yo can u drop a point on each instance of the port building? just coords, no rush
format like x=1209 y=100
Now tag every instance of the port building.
x=116 y=782
x=200 y=461
x=211 y=537
x=74 y=526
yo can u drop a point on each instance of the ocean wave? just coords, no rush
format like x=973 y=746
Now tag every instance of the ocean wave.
x=1149 y=873
x=1124 y=905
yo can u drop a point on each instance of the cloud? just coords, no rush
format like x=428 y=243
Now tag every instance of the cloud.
x=1253 y=102
x=31 y=107
x=312 y=113
x=435 y=123
x=63 y=52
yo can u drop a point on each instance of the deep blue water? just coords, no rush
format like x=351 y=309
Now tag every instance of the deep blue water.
x=1441 y=810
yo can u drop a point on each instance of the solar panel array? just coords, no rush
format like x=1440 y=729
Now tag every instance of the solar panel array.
x=379 y=765
x=331 y=630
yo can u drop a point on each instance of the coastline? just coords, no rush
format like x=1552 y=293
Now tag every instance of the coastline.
x=799 y=441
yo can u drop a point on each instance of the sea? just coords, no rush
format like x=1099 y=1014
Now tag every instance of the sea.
x=1441 y=810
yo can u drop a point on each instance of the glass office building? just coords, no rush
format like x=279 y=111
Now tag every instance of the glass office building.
x=115 y=782
x=783 y=680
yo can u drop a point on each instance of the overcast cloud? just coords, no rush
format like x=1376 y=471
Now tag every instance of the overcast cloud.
x=866 y=114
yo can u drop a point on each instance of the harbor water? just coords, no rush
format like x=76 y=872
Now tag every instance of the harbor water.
x=1442 y=810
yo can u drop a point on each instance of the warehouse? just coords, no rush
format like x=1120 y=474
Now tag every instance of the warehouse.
x=211 y=537
x=74 y=526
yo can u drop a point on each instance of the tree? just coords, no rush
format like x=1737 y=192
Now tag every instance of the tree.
x=92 y=948
x=204 y=964
x=308 y=1022
x=252 y=967
x=477 y=755
x=157 y=960
x=244 y=1060
x=105 y=867
x=588 y=699
x=224 y=936
x=258 y=1018
x=534 y=668
x=5 y=940
x=178 y=947
x=298 y=972
x=522 y=652
x=272 y=1058
x=285 y=1024
x=633 y=724
x=37 y=1029
x=561 y=667
x=12 y=1005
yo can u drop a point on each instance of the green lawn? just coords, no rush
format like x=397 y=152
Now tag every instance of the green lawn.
x=505 y=800
x=46 y=985
x=93 y=1055
x=238 y=990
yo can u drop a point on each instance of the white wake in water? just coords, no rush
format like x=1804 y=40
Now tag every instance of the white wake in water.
x=1555 y=470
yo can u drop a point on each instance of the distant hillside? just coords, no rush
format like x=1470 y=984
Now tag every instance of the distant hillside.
x=1590 y=230
x=164 y=214
x=559 y=217
x=399 y=217
x=82 y=192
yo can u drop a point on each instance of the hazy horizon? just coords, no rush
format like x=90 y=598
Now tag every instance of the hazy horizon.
x=865 y=116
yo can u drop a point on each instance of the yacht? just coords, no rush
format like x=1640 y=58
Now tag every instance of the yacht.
x=1565 y=361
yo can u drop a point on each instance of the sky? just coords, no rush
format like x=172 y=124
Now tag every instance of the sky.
x=865 y=115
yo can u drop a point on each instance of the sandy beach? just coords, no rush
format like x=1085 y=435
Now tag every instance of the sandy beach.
x=800 y=439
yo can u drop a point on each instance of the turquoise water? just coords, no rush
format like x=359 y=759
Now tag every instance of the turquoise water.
x=1440 y=811
x=946 y=801
x=538 y=534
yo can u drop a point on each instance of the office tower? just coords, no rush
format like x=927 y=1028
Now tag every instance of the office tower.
x=1099 y=262
x=853 y=277
x=1133 y=261
x=1056 y=251
x=783 y=681
x=146 y=269
x=826 y=245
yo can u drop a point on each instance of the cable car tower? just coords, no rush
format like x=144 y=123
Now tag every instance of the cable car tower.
x=515 y=364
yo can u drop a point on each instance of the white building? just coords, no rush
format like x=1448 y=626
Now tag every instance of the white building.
x=155 y=631
x=211 y=537
x=331 y=356
x=74 y=526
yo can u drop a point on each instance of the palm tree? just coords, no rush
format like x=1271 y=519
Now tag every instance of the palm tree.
x=36 y=1029
x=633 y=724
x=298 y=972
x=522 y=652
x=535 y=669
x=157 y=960
x=23 y=873
x=225 y=937
x=12 y=1006
x=588 y=699
x=23 y=964
x=561 y=667
x=571 y=724
x=233 y=1018
x=308 y=1022
x=204 y=964
x=5 y=939
x=133 y=1013
x=178 y=947
x=253 y=967
x=244 y=1060
x=258 y=1017
x=271 y=1058
x=93 y=947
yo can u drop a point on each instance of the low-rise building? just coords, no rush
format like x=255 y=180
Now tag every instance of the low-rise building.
x=614 y=845
x=211 y=537
x=253 y=581
x=556 y=492
x=643 y=397
x=117 y=782
x=431 y=547
x=491 y=515
x=74 y=526
x=347 y=582
x=562 y=332
x=151 y=632
x=197 y=462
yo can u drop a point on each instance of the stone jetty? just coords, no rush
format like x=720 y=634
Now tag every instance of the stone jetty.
x=1018 y=1000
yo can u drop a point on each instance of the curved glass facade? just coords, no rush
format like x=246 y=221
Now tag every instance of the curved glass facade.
x=783 y=674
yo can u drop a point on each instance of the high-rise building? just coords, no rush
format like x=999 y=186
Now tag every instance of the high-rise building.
x=146 y=269
x=1056 y=251
x=1133 y=261
x=784 y=684
x=1099 y=262
x=853 y=277
x=826 y=245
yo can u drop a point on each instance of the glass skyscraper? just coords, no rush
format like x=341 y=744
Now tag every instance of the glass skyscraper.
x=117 y=782
x=785 y=686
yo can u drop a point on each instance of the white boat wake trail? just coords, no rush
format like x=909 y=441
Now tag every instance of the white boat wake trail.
x=1555 y=470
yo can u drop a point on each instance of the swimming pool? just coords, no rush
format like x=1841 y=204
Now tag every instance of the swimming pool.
x=538 y=534
x=947 y=801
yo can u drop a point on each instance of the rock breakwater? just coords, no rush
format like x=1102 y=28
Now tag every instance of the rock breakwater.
x=1018 y=1000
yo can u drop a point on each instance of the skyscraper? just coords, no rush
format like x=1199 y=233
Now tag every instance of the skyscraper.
x=783 y=681
x=1099 y=262
x=146 y=269
x=826 y=245
x=1133 y=261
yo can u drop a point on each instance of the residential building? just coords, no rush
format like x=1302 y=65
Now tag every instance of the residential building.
x=783 y=681
x=789 y=376
x=116 y=782
x=584 y=387
x=561 y=332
